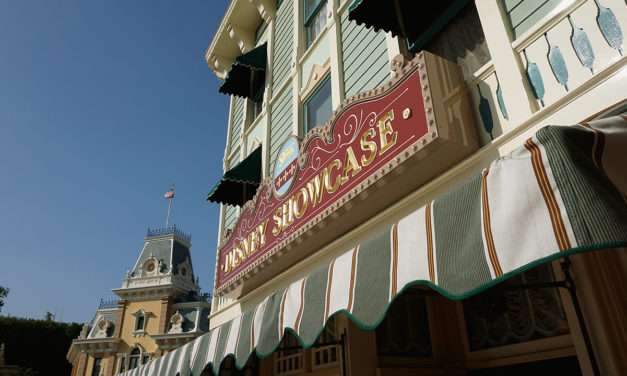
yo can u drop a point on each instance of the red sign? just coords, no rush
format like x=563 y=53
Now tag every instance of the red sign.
x=339 y=158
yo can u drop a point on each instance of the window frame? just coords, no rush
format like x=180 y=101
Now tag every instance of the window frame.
x=143 y=315
x=97 y=364
x=308 y=19
x=307 y=100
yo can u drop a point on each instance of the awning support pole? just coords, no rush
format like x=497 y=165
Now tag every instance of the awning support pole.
x=343 y=343
x=572 y=289
x=569 y=284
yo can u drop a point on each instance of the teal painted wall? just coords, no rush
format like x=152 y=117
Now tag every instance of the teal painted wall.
x=283 y=44
x=230 y=212
x=523 y=14
x=364 y=57
x=236 y=122
x=281 y=122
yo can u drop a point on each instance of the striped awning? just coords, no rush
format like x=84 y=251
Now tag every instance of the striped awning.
x=561 y=193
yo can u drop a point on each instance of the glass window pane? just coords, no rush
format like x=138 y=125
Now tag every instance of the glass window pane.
x=309 y=7
x=314 y=24
x=502 y=316
x=318 y=107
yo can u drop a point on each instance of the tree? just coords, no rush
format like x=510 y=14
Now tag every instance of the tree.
x=3 y=294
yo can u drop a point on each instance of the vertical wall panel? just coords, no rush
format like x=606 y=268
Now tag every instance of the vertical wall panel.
x=283 y=44
x=230 y=212
x=281 y=122
x=237 y=120
x=365 y=57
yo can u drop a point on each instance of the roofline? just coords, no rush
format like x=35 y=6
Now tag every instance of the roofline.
x=218 y=32
x=236 y=28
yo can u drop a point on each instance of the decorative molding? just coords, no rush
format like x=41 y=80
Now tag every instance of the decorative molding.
x=316 y=75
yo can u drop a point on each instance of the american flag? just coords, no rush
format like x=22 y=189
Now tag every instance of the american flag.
x=169 y=194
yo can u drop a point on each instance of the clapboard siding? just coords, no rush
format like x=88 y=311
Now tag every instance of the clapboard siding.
x=365 y=57
x=230 y=212
x=283 y=44
x=236 y=121
x=523 y=14
x=281 y=122
x=230 y=217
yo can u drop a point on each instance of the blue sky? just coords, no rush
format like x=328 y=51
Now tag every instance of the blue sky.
x=103 y=104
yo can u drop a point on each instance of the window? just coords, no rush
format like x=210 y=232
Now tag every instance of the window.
x=507 y=315
x=318 y=106
x=326 y=352
x=405 y=330
x=133 y=360
x=145 y=358
x=96 y=369
x=140 y=321
x=289 y=357
x=315 y=19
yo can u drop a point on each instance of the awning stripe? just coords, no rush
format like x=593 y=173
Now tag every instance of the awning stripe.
x=213 y=344
x=198 y=360
x=433 y=277
x=182 y=366
x=457 y=225
x=313 y=317
x=372 y=282
x=413 y=259
x=269 y=336
x=496 y=225
x=231 y=343
x=486 y=226
x=244 y=344
x=547 y=193
x=220 y=350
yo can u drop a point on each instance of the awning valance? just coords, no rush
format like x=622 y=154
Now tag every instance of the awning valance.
x=417 y=21
x=240 y=183
x=561 y=193
x=247 y=75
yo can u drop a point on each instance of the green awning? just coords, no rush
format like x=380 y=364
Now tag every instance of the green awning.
x=417 y=21
x=240 y=183
x=247 y=76
x=563 y=192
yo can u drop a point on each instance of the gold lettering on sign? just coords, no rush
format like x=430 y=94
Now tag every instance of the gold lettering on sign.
x=328 y=181
x=246 y=247
x=367 y=145
x=387 y=135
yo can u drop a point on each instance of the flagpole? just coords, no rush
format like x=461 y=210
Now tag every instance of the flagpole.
x=170 y=197
x=167 y=218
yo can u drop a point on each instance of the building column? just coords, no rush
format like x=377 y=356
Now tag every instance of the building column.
x=361 y=350
x=117 y=332
x=335 y=46
x=601 y=283
x=164 y=314
x=508 y=66
x=82 y=364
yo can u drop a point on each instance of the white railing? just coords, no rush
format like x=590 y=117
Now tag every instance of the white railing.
x=325 y=356
x=577 y=42
x=569 y=51
x=291 y=364
x=489 y=105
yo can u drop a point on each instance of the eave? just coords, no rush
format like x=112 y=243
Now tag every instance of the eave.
x=236 y=33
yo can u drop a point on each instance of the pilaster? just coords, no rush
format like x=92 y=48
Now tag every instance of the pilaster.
x=508 y=66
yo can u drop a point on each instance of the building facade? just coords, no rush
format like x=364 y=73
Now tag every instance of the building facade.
x=158 y=308
x=406 y=190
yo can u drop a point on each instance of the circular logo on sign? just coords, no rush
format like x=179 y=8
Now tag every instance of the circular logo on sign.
x=285 y=167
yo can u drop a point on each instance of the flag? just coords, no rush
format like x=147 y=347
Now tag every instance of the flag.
x=169 y=194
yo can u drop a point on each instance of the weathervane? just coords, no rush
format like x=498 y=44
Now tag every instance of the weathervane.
x=169 y=195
